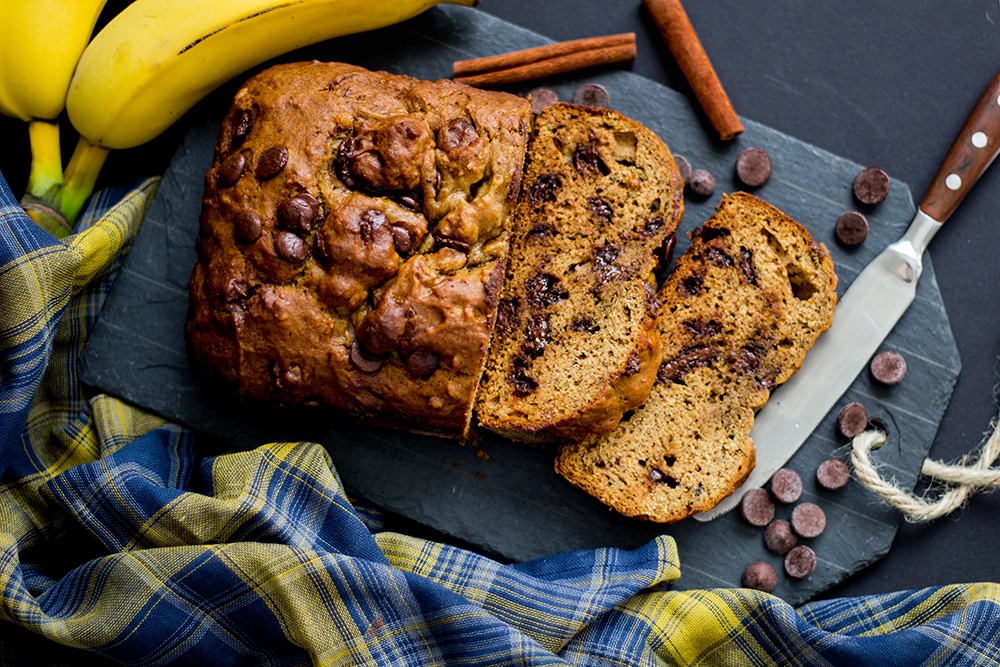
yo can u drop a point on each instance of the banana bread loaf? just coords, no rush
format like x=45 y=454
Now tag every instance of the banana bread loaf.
x=574 y=347
x=742 y=307
x=354 y=231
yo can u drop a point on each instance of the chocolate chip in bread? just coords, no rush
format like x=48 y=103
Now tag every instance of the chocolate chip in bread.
x=575 y=347
x=744 y=304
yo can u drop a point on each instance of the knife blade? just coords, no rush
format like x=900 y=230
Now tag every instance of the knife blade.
x=870 y=308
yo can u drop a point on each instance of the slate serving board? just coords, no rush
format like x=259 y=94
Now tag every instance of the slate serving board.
x=504 y=497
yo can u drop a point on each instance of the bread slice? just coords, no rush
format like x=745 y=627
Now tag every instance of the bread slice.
x=745 y=303
x=574 y=346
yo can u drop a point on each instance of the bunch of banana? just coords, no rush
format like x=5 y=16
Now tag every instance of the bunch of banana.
x=157 y=58
x=40 y=44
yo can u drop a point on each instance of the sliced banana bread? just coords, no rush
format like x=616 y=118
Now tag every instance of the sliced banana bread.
x=574 y=346
x=745 y=303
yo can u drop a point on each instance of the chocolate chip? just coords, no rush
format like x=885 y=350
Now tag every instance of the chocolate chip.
x=542 y=230
x=290 y=247
x=871 y=186
x=687 y=359
x=287 y=378
x=832 y=474
x=668 y=248
x=747 y=267
x=683 y=166
x=536 y=336
x=544 y=189
x=691 y=286
x=702 y=328
x=753 y=166
x=852 y=420
x=592 y=95
x=588 y=161
x=543 y=290
x=410 y=202
x=760 y=576
x=542 y=98
x=652 y=226
x=422 y=364
x=523 y=385
x=298 y=213
x=719 y=257
x=231 y=169
x=851 y=229
x=888 y=367
x=702 y=183
x=786 y=485
x=633 y=365
x=403 y=239
x=757 y=507
x=601 y=209
x=347 y=151
x=800 y=562
x=271 y=162
x=808 y=520
x=241 y=128
x=448 y=242
x=247 y=227
x=363 y=360
x=778 y=537
x=371 y=221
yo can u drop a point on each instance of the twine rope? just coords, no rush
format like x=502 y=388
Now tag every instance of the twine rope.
x=970 y=475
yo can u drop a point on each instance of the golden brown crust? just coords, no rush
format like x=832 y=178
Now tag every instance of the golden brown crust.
x=353 y=236
x=742 y=307
x=576 y=348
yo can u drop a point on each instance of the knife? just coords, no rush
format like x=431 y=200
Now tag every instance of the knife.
x=873 y=304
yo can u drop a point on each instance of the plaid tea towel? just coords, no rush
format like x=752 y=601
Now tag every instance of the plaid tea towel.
x=124 y=539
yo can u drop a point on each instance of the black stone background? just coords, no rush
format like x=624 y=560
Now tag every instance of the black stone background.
x=885 y=84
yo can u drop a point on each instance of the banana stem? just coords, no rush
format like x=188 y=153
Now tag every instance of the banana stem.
x=46 y=175
x=81 y=174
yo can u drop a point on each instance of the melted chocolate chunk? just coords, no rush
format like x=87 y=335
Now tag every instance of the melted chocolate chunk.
x=601 y=209
x=707 y=234
x=652 y=300
x=403 y=239
x=543 y=290
x=588 y=161
x=750 y=357
x=523 y=385
x=542 y=229
x=271 y=162
x=536 y=336
x=422 y=364
x=544 y=189
x=747 y=267
x=766 y=381
x=605 y=255
x=454 y=244
x=652 y=227
x=241 y=128
x=363 y=360
x=688 y=358
x=372 y=220
x=584 y=324
x=719 y=257
x=298 y=213
x=692 y=285
x=457 y=134
x=668 y=248
x=231 y=169
x=348 y=151
x=633 y=365
x=507 y=318
x=703 y=329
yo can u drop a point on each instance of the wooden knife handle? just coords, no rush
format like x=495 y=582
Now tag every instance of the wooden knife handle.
x=974 y=149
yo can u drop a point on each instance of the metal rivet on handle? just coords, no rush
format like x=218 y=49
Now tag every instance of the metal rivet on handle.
x=954 y=181
x=979 y=140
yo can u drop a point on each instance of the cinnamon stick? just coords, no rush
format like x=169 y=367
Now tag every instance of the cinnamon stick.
x=675 y=26
x=539 y=53
x=551 y=67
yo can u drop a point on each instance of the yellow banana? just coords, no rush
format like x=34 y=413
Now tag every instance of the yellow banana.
x=157 y=58
x=40 y=44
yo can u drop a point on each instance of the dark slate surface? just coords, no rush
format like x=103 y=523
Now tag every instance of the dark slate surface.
x=511 y=503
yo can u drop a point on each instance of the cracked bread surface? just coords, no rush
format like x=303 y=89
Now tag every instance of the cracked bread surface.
x=354 y=231
x=575 y=347
x=742 y=307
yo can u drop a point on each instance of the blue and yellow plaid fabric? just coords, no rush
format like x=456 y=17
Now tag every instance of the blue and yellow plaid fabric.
x=125 y=539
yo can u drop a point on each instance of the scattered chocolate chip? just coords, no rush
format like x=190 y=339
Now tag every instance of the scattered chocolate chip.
x=584 y=324
x=542 y=98
x=271 y=162
x=719 y=257
x=588 y=161
x=290 y=247
x=888 y=367
x=747 y=267
x=760 y=576
x=241 y=128
x=543 y=290
x=544 y=189
x=298 y=213
x=702 y=183
x=786 y=485
x=753 y=166
x=601 y=209
x=633 y=365
x=231 y=169
x=800 y=562
x=592 y=95
x=757 y=507
x=683 y=166
x=371 y=221
x=778 y=537
x=687 y=358
x=702 y=328
x=422 y=364
x=833 y=474
x=851 y=229
x=507 y=319
x=808 y=520
x=706 y=233
x=668 y=248
x=652 y=226
x=541 y=230
x=347 y=151
x=871 y=186
x=409 y=202
x=536 y=336
x=457 y=134
x=247 y=227
x=691 y=286
x=363 y=360
x=448 y=242
x=403 y=239
x=852 y=420
x=523 y=385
